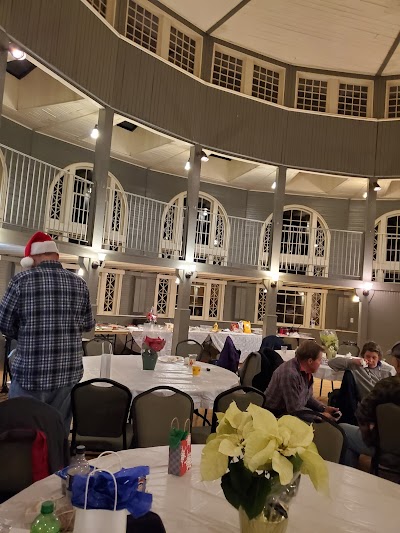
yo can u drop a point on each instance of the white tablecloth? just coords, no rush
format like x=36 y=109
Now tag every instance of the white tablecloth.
x=359 y=503
x=245 y=342
x=127 y=369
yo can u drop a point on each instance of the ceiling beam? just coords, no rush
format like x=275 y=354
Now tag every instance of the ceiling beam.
x=226 y=17
x=389 y=55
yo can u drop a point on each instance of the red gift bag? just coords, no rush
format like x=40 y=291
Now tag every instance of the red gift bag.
x=180 y=449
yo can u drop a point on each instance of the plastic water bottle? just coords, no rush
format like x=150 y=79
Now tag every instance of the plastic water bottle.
x=79 y=466
x=46 y=522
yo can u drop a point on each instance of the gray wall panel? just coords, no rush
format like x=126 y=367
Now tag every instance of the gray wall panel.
x=380 y=328
x=388 y=153
x=16 y=136
x=357 y=210
x=316 y=141
x=385 y=206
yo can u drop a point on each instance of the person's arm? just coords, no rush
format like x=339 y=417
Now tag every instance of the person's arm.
x=88 y=319
x=343 y=363
x=315 y=405
x=291 y=388
x=9 y=317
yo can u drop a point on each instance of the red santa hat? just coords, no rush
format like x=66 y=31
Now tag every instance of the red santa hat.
x=40 y=243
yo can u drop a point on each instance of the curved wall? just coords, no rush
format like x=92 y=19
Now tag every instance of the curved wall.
x=77 y=45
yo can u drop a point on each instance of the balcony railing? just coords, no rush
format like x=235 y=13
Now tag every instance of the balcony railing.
x=34 y=195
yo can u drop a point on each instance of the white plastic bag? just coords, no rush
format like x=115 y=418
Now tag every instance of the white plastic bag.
x=105 y=364
x=100 y=520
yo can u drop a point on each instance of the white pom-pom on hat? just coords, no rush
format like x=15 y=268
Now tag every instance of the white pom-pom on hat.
x=39 y=243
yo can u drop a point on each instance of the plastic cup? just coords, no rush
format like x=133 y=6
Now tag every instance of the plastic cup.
x=192 y=359
x=196 y=370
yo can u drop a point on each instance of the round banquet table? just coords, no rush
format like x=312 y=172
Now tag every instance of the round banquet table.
x=127 y=369
x=359 y=502
x=245 y=342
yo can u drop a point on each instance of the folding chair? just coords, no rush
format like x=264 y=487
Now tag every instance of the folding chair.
x=100 y=410
x=188 y=346
x=152 y=415
x=386 y=461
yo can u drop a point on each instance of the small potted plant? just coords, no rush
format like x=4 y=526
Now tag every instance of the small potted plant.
x=150 y=349
x=259 y=460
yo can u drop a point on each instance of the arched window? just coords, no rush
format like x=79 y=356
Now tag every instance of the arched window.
x=304 y=244
x=386 y=258
x=68 y=206
x=212 y=230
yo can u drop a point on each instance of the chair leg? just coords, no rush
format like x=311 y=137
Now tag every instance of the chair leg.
x=332 y=386
x=205 y=417
x=320 y=388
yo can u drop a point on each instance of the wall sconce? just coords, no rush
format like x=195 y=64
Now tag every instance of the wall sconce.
x=177 y=280
x=366 y=288
x=274 y=279
x=95 y=132
x=81 y=272
x=190 y=271
x=355 y=299
x=17 y=53
x=99 y=263
x=377 y=187
x=188 y=274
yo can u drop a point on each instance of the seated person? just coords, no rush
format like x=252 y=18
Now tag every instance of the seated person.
x=291 y=386
x=367 y=369
x=362 y=439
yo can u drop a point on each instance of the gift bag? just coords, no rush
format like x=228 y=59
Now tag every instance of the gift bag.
x=180 y=449
x=100 y=520
x=105 y=362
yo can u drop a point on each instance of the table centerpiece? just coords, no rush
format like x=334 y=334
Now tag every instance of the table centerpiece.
x=259 y=460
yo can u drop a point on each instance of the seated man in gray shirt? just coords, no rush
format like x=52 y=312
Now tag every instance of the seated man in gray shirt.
x=291 y=386
x=367 y=369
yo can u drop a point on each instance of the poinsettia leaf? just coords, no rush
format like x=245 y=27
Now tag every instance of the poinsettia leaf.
x=241 y=477
x=254 y=502
x=230 y=493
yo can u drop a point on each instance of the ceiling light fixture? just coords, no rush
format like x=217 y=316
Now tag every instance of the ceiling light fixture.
x=377 y=187
x=95 y=132
x=204 y=156
x=187 y=165
x=273 y=186
x=365 y=194
x=17 y=53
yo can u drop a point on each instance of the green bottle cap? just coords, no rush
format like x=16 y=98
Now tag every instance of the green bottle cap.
x=47 y=507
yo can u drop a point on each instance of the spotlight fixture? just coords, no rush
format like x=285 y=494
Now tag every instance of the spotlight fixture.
x=187 y=165
x=17 y=53
x=95 y=132
x=377 y=187
x=355 y=299
x=81 y=272
x=102 y=256
x=365 y=194
x=265 y=290
x=204 y=156
x=177 y=280
x=273 y=186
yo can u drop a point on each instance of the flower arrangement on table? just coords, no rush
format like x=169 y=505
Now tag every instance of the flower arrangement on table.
x=151 y=317
x=330 y=341
x=150 y=349
x=259 y=460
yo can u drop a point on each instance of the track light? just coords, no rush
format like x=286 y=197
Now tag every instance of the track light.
x=95 y=132
x=365 y=194
x=377 y=187
x=204 y=156
x=273 y=186
x=17 y=53
x=187 y=165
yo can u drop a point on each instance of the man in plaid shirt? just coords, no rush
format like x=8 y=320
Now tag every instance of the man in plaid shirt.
x=46 y=309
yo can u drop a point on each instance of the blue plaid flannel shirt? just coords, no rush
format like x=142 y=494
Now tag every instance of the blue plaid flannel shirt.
x=46 y=309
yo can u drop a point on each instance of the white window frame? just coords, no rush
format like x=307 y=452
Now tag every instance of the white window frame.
x=390 y=83
x=164 y=29
x=110 y=11
x=101 y=293
x=310 y=260
x=172 y=295
x=307 y=316
x=174 y=247
x=332 y=100
x=380 y=264
x=248 y=63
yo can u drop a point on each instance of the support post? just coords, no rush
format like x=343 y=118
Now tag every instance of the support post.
x=368 y=257
x=269 y=322
x=182 y=311
x=3 y=67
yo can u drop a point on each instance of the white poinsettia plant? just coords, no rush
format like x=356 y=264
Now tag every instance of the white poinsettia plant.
x=253 y=453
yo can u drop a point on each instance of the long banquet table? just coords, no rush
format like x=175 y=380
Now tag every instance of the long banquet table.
x=359 y=502
x=245 y=342
x=127 y=369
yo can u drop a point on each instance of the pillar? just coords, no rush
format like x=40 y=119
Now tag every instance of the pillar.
x=3 y=66
x=182 y=311
x=368 y=255
x=269 y=322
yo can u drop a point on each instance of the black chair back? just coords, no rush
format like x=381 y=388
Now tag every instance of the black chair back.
x=188 y=346
x=243 y=396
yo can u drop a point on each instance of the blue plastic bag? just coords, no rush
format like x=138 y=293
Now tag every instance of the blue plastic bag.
x=101 y=491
